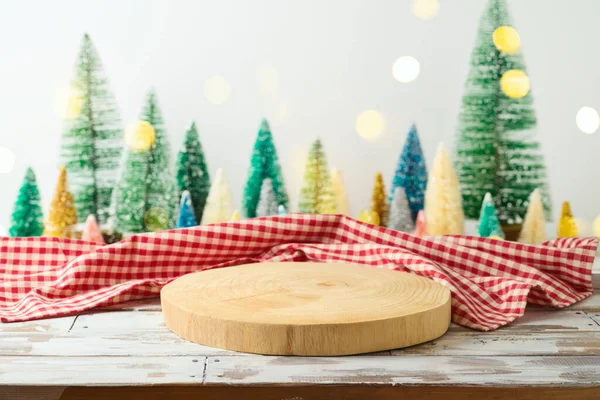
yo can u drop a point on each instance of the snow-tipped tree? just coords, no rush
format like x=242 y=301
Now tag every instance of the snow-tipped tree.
x=27 y=218
x=339 y=191
x=92 y=140
x=443 y=203
x=191 y=171
x=411 y=172
x=267 y=205
x=264 y=164
x=488 y=219
x=534 y=226
x=219 y=204
x=186 y=216
x=400 y=213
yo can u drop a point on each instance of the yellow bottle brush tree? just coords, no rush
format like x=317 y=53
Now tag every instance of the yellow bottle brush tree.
x=62 y=215
x=534 y=226
x=443 y=202
x=379 y=202
x=316 y=195
x=567 y=226
x=339 y=191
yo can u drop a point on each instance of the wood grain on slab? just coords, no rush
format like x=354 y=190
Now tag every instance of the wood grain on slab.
x=306 y=308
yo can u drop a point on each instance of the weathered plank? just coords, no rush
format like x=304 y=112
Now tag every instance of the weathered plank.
x=591 y=304
x=464 y=343
x=50 y=325
x=105 y=371
x=408 y=370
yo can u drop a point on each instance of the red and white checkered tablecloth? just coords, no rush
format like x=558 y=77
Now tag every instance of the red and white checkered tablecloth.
x=491 y=280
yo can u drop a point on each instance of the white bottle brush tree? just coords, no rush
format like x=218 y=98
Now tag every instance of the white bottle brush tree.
x=400 y=213
x=219 y=205
x=534 y=227
x=267 y=203
x=443 y=202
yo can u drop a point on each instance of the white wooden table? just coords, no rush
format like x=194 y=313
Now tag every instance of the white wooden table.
x=126 y=351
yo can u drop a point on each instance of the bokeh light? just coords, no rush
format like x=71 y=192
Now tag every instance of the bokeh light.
x=7 y=160
x=515 y=83
x=268 y=80
x=406 y=69
x=369 y=124
x=425 y=9
x=507 y=39
x=587 y=120
x=584 y=228
x=217 y=90
x=156 y=219
x=68 y=103
x=140 y=136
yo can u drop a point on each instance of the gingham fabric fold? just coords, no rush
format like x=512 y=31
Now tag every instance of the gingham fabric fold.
x=491 y=281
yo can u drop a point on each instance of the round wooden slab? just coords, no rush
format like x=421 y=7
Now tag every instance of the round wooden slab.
x=309 y=309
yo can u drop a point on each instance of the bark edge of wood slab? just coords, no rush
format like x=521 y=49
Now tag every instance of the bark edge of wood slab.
x=307 y=309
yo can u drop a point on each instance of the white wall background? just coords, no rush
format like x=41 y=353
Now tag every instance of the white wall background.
x=333 y=60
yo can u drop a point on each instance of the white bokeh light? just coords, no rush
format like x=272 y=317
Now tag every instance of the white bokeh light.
x=406 y=69
x=425 y=9
x=587 y=120
x=217 y=89
x=7 y=160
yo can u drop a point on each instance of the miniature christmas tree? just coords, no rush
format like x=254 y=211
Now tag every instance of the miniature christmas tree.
x=488 y=220
x=420 y=224
x=186 y=217
x=192 y=172
x=316 y=195
x=379 y=200
x=219 y=205
x=144 y=193
x=27 y=218
x=369 y=216
x=411 y=173
x=92 y=139
x=443 y=208
x=596 y=227
x=534 y=227
x=62 y=215
x=400 y=212
x=281 y=210
x=339 y=191
x=235 y=216
x=267 y=205
x=496 y=147
x=567 y=226
x=263 y=164
x=91 y=231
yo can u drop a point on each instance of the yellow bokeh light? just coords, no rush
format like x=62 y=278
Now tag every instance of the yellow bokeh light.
x=406 y=69
x=69 y=103
x=506 y=39
x=217 y=90
x=268 y=80
x=369 y=124
x=425 y=9
x=140 y=136
x=515 y=84
x=156 y=219
x=587 y=120
x=7 y=160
